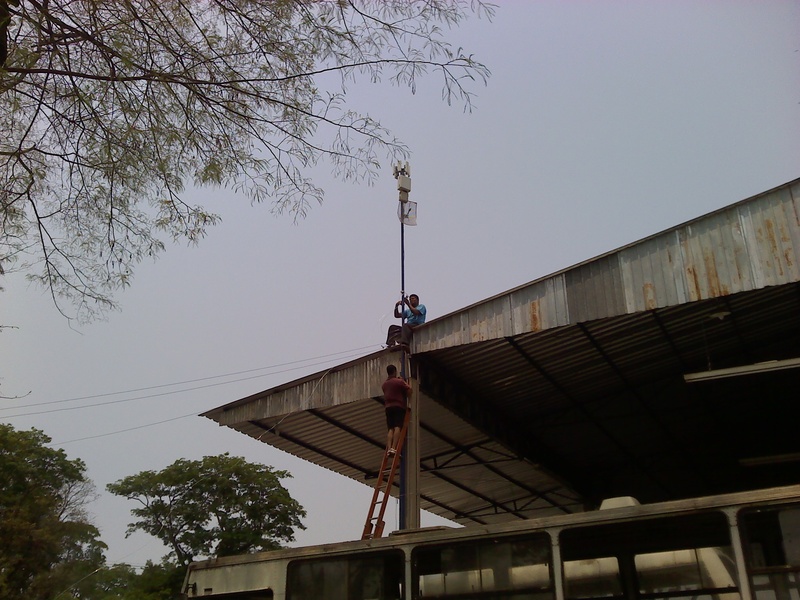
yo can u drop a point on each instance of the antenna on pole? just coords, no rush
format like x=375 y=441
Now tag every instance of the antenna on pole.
x=406 y=210
x=402 y=172
x=407 y=213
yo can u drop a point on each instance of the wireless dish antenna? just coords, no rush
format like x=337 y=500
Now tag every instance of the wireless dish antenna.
x=406 y=210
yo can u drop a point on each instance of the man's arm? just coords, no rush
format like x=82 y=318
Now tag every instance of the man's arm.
x=397 y=313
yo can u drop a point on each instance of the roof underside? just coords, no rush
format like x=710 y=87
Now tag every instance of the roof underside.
x=570 y=389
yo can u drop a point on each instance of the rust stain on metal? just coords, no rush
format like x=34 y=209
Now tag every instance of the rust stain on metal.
x=694 y=283
x=649 y=293
x=785 y=237
x=536 y=321
x=772 y=239
x=711 y=274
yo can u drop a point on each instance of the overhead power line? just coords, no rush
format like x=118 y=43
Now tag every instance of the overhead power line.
x=166 y=385
x=99 y=435
x=91 y=437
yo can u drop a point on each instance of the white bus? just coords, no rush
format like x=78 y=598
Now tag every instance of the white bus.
x=742 y=546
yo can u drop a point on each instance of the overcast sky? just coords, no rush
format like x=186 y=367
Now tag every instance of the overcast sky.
x=602 y=123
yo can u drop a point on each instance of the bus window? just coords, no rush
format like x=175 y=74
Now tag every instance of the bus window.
x=666 y=574
x=654 y=559
x=772 y=541
x=592 y=578
x=375 y=576
x=513 y=569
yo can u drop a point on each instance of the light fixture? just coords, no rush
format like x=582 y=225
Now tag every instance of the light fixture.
x=762 y=367
x=775 y=459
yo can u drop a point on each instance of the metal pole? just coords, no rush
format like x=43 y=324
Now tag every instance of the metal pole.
x=403 y=516
x=403 y=291
x=403 y=175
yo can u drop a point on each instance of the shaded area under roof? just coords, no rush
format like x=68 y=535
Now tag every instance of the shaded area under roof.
x=570 y=389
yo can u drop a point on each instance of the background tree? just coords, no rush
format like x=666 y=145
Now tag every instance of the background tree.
x=109 y=110
x=47 y=541
x=122 y=582
x=218 y=506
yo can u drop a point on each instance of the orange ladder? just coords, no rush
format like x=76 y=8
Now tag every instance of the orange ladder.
x=373 y=528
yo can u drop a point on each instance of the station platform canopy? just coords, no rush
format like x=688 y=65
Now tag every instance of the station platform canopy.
x=665 y=369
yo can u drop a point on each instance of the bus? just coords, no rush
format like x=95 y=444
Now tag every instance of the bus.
x=739 y=546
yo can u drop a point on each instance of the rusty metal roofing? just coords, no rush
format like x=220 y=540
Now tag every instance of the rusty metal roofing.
x=568 y=389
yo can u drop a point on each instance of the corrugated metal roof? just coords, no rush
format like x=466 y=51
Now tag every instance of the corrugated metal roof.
x=744 y=247
x=570 y=388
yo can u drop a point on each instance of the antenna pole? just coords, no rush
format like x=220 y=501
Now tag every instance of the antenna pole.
x=402 y=173
x=403 y=292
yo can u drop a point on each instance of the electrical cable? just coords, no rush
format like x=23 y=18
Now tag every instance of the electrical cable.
x=154 y=387
x=91 y=437
x=124 y=400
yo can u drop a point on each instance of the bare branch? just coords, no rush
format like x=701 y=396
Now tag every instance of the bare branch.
x=110 y=110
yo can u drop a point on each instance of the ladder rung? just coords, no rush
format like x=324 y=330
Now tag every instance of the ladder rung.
x=383 y=485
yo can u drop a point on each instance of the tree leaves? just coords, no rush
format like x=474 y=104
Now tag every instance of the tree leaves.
x=47 y=541
x=218 y=506
x=110 y=110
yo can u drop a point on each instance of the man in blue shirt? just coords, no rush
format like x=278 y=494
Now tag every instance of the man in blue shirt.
x=414 y=315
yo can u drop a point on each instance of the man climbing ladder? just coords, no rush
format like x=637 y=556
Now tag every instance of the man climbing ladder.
x=396 y=393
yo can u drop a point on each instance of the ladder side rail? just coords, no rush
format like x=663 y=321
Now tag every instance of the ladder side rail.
x=379 y=525
x=367 y=533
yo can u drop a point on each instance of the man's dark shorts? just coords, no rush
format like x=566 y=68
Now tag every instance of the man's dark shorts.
x=395 y=416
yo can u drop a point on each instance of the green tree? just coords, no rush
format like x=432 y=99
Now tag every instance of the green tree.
x=122 y=582
x=48 y=543
x=109 y=110
x=217 y=506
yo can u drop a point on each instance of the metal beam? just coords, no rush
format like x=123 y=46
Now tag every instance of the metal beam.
x=764 y=367
x=498 y=472
x=447 y=390
x=307 y=446
x=368 y=474
x=589 y=416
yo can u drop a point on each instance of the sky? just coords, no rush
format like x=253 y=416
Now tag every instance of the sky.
x=602 y=123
